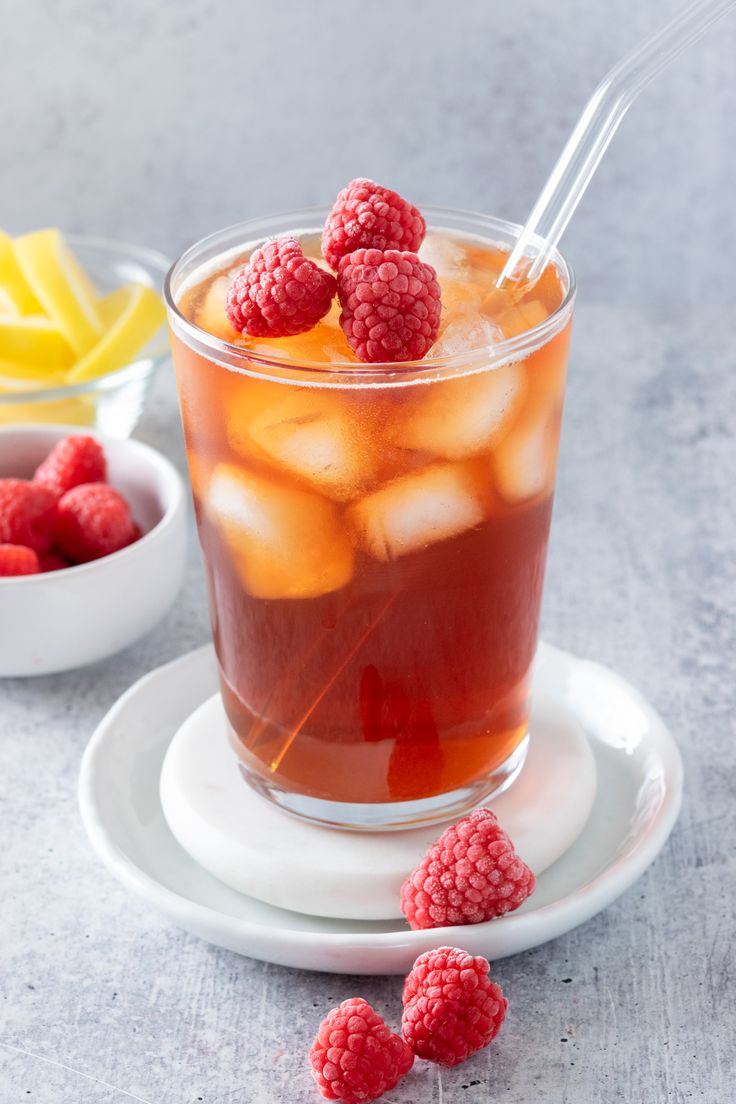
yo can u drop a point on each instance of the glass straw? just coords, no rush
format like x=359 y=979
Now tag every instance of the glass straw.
x=594 y=130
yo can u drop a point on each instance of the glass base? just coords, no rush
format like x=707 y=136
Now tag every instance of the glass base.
x=395 y=815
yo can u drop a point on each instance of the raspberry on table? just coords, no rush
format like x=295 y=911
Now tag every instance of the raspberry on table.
x=93 y=520
x=26 y=514
x=280 y=292
x=390 y=304
x=356 y=1057
x=366 y=215
x=471 y=874
x=16 y=559
x=72 y=461
x=452 y=1009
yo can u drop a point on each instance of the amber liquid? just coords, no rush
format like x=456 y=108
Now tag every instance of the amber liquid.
x=363 y=661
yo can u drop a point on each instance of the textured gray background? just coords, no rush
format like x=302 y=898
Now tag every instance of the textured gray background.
x=158 y=122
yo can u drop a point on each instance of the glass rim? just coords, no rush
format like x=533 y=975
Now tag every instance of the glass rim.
x=257 y=363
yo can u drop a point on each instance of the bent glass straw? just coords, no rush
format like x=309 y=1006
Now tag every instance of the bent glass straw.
x=594 y=130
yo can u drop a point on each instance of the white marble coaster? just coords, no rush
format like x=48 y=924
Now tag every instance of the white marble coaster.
x=255 y=848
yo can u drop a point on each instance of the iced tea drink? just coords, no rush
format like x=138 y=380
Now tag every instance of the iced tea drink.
x=375 y=537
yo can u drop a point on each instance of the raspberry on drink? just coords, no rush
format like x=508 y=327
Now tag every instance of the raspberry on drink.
x=390 y=305
x=72 y=461
x=93 y=520
x=366 y=215
x=356 y=1057
x=471 y=874
x=280 y=292
x=26 y=514
x=16 y=559
x=452 y=1009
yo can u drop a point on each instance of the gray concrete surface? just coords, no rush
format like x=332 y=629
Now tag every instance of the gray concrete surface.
x=102 y=1002
x=158 y=122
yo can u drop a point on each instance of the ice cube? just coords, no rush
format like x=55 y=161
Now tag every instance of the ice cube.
x=463 y=334
x=524 y=463
x=246 y=399
x=312 y=434
x=211 y=315
x=325 y=343
x=418 y=510
x=522 y=317
x=446 y=257
x=285 y=542
x=457 y=418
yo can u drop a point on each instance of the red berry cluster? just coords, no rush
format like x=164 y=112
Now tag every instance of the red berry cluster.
x=390 y=299
x=67 y=514
x=452 y=1009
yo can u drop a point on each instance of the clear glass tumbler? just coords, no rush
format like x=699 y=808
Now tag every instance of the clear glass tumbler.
x=375 y=539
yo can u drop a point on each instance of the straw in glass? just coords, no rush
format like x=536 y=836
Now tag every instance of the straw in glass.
x=594 y=130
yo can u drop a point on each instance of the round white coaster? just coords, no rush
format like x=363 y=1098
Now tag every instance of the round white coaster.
x=255 y=848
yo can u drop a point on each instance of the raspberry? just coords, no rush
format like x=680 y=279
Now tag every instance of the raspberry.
x=368 y=216
x=50 y=561
x=452 y=1009
x=356 y=1057
x=280 y=292
x=93 y=520
x=16 y=559
x=26 y=514
x=72 y=461
x=471 y=874
x=390 y=304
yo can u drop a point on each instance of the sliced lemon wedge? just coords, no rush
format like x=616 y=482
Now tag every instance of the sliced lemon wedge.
x=21 y=377
x=78 y=410
x=15 y=295
x=34 y=342
x=61 y=286
x=131 y=316
x=7 y=305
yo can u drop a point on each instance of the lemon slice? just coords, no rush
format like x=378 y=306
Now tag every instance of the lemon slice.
x=34 y=342
x=17 y=377
x=7 y=305
x=132 y=315
x=13 y=286
x=62 y=288
x=78 y=410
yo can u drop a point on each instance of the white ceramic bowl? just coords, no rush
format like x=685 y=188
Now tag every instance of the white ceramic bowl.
x=66 y=619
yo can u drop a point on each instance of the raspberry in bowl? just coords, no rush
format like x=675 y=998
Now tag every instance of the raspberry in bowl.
x=92 y=546
x=372 y=436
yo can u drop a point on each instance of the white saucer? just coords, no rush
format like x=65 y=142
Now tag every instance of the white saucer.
x=633 y=814
x=258 y=849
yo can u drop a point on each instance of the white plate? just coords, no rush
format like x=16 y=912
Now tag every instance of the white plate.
x=256 y=848
x=638 y=799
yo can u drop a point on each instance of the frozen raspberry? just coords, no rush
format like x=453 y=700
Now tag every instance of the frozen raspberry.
x=72 y=461
x=356 y=1057
x=16 y=559
x=50 y=561
x=368 y=216
x=279 y=292
x=93 y=520
x=26 y=514
x=471 y=874
x=390 y=304
x=451 y=1007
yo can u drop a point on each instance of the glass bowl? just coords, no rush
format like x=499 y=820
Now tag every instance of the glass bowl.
x=112 y=403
